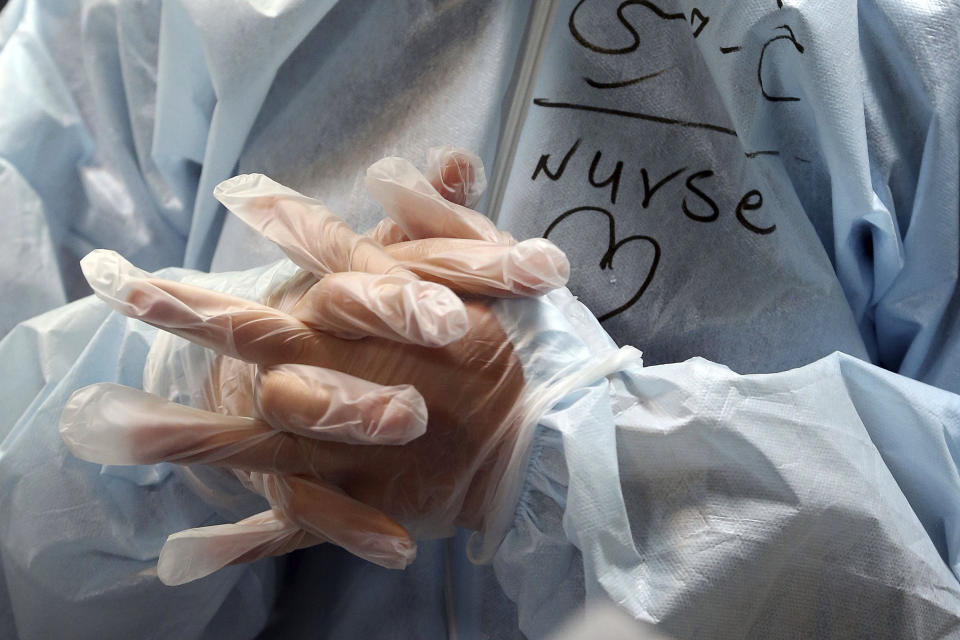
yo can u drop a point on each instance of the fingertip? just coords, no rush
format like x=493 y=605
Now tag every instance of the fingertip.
x=388 y=232
x=126 y=288
x=74 y=423
x=244 y=185
x=409 y=198
x=456 y=174
x=169 y=571
x=93 y=424
x=336 y=406
x=109 y=274
x=392 y=169
x=247 y=196
x=416 y=408
x=183 y=559
x=231 y=185
x=440 y=316
x=536 y=264
x=390 y=547
x=402 y=417
x=256 y=199
x=391 y=552
x=362 y=530
x=408 y=554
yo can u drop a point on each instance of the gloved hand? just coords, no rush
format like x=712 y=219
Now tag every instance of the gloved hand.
x=353 y=350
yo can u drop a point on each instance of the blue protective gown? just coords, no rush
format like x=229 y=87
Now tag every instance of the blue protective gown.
x=817 y=501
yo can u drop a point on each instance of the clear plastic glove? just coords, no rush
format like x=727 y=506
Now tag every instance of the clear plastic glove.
x=456 y=174
x=421 y=207
x=355 y=349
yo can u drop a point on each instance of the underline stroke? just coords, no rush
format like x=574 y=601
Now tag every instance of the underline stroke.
x=544 y=102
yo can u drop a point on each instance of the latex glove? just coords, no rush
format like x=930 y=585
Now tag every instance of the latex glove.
x=422 y=206
x=456 y=174
x=278 y=403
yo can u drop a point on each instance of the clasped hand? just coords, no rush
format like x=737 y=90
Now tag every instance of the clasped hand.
x=363 y=397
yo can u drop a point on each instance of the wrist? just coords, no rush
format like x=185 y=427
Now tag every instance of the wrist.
x=562 y=349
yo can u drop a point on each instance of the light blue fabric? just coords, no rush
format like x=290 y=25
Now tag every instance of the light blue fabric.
x=819 y=502
x=715 y=504
x=855 y=153
x=79 y=542
x=117 y=119
x=78 y=546
x=54 y=552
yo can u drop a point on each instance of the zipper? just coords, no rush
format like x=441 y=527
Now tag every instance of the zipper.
x=528 y=65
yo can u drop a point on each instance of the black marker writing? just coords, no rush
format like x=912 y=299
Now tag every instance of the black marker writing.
x=657 y=11
x=696 y=15
x=752 y=201
x=648 y=191
x=614 y=245
x=699 y=175
x=613 y=179
x=624 y=83
x=695 y=184
x=543 y=102
x=799 y=47
x=542 y=164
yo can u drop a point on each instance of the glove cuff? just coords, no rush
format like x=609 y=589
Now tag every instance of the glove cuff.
x=562 y=348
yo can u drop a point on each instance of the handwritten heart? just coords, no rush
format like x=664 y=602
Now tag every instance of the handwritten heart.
x=614 y=245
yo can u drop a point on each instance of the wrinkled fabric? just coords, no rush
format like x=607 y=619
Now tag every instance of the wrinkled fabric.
x=140 y=102
x=61 y=517
x=145 y=107
x=775 y=180
x=817 y=502
x=87 y=510
x=236 y=395
x=78 y=544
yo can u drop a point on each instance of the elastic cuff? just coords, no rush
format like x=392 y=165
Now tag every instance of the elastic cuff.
x=483 y=544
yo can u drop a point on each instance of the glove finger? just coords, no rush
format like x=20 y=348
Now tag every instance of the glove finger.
x=456 y=174
x=310 y=234
x=531 y=267
x=227 y=324
x=356 y=305
x=196 y=553
x=328 y=405
x=422 y=313
x=111 y=424
x=407 y=197
x=326 y=512
x=108 y=423
x=387 y=232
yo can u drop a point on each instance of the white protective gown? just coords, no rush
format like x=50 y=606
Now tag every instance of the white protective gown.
x=816 y=499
